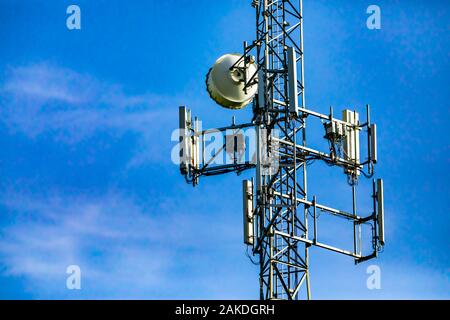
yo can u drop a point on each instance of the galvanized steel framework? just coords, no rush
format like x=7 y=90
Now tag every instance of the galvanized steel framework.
x=282 y=238
x=283 y=260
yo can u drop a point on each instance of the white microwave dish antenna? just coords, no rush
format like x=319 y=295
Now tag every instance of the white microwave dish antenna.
x=226 y=81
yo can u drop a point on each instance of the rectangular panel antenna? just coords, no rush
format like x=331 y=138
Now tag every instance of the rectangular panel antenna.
x=373 y=143
x=380 y=201
x=247 y=190
x=195 y=146
x=292 y=78
x=184 y=124
x=351 y=142
x=261 y=89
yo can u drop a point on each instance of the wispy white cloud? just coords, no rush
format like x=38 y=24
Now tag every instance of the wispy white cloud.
x=70 y=106
x=124 y=248
x=118 y=244
x=52 y=233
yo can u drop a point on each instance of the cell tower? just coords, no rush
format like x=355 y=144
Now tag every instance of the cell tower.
x=278 y=210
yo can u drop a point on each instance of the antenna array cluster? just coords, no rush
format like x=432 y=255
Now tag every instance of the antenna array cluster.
x=280 y=216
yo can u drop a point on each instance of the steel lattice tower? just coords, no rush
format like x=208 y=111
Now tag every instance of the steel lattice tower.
x=283 y=260
x=276 y=209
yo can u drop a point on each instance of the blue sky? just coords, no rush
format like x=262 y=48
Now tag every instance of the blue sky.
x=85 y=123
